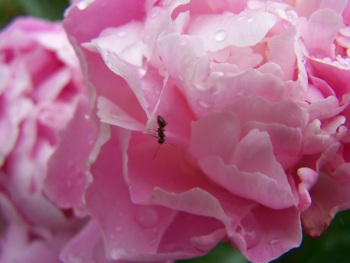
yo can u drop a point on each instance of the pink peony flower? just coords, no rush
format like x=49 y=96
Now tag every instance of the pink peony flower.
x=41 y=85
x=253 y=98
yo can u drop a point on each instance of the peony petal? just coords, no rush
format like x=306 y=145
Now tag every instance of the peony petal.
x=245 y=29
x=282 y=52
x=321 y=31
x=255 y=173
x=85 y=246
x=66 y=179
x=110 y=113
x=266 y=233
x=328 y=197
x=129 y=230
x=286 y=112
x=215 y=135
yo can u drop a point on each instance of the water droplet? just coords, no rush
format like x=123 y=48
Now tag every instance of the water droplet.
x=204 y=104
x=120 y=214
x=141 y=72
x=115 y=113
x=251 y=20
x=146 y=217
x=274 y=241
x=153 y=241
x=70 y=163
x=170 y=247
x=215 y=91
x=84 y=4
x=220 y=35
x=117 y=253
x=87 y=116
x=73 y=259
x=69 y=184
x=217 y=74
x=250 y=237
x=121 y=34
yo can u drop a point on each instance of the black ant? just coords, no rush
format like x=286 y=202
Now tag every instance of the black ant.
x=161 y=135
x=161 y=125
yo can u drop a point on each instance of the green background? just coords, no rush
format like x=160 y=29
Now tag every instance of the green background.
x=332 y=247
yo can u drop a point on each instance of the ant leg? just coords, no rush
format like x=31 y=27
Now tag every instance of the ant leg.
x=155 y=154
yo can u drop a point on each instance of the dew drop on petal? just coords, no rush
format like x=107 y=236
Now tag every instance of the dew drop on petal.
x=220 y=35
x=215 y=90
x=146 y=217
x=73 y=259
x=115 y=113
x=121 y=34
x=274 y=241
x=70 y=163
x=141 y=72
x=251 y=20
x=117 y=253
x=84 y=4
x=204 y=104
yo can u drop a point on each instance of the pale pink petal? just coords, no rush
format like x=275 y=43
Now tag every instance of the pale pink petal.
x=111 y=113
x=306 y=8
x=286 y=141
x=266 y=233
x=320 y=33
x=326 y=70
x=224 y=133
x=282 y=52
x=65 y=174
x=245 y=29
x=255 y=174
x=204 y=7
x=328 y=197
x=286 y=112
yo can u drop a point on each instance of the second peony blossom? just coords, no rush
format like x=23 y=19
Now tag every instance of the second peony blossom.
x=41 y=85
x=255 y=97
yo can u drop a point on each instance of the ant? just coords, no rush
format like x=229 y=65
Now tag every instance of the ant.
x=161 y=135
x=161 y=125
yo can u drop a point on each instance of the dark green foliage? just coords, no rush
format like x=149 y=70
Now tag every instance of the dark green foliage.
x=47 y=9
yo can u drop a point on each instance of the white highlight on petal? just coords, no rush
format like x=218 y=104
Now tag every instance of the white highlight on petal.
x=83 y=4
